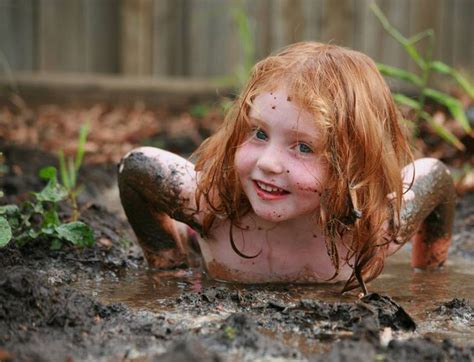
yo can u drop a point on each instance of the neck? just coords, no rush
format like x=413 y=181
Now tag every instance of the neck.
x=306 y=223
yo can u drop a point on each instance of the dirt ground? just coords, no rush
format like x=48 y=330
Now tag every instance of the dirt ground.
x=43 y=317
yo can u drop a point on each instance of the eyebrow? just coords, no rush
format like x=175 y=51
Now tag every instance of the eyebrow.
x=295 y=132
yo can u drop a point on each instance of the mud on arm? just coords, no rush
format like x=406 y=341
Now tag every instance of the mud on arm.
x=157 y=192
x=427 y=213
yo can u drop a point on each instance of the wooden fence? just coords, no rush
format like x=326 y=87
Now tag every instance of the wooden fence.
x=200 y=38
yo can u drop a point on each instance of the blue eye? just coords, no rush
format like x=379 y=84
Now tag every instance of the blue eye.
x=304 y=148
x=261 y=135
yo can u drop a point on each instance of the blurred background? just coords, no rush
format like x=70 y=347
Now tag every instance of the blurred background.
x=162 y=72
x=203 y=38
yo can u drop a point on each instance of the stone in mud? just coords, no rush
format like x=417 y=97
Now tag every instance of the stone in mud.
x=348 y=351
x=425 y=349
x=387 y=311
x=457 y=308
x=188 y=350
x=414 y=349
x=239 y=331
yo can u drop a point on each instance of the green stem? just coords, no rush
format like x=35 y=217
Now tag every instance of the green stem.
x=75 y=209
x=425 y=74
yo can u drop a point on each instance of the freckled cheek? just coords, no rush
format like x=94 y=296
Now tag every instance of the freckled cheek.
x=309 y=182
x=244 y=160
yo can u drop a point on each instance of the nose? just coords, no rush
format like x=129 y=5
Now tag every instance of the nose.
x=270 y=161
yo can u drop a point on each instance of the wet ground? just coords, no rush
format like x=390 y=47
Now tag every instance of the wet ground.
x=103 y=304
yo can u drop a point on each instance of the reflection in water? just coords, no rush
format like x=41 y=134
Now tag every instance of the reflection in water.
x=418 y=292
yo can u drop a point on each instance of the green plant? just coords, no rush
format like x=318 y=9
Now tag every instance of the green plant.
x=69 y=168
x=39 y=218
x=247 y=42
x=427 y=66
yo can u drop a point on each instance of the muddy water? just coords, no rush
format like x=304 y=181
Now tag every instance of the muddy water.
x=420 y=293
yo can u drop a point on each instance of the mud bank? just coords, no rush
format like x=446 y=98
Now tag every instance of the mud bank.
x=47 y=315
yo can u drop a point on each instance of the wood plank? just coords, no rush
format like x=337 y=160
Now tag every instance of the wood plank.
x=260 y=13
x=136 y=37
x=17 y=35
x=313 y=13
x=338 y=22
x=371 y=38
x=102 y=35
x=61 y=41
x=463 y=50
x=176 y=92
x=170 y=37
x=211 y=29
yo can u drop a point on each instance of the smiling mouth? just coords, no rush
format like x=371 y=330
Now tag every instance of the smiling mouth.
x=270 y=189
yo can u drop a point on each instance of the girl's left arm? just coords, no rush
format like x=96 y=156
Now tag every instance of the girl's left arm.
x=157 y=190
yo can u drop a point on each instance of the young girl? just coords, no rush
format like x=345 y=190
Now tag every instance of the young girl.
x=303 y=182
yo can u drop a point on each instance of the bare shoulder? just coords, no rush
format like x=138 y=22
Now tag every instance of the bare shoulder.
x=168 y=180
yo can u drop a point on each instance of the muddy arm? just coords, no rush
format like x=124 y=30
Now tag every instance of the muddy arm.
x=427 y=212
x=157 y=190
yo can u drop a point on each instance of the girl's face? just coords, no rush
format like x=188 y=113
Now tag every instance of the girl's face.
x=280 y=163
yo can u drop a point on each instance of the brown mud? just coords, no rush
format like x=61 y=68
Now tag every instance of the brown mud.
x=102 y=303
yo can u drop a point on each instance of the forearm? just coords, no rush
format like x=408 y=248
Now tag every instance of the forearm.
x=156 y=190
x=427 y=212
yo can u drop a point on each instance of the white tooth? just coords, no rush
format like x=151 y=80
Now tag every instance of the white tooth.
x=268 y=188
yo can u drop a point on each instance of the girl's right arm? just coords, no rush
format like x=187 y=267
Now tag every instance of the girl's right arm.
x=157 y=190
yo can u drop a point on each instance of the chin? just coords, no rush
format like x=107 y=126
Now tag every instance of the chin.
x=272 y=216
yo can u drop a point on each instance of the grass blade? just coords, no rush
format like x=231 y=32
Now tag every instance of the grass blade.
x=454 y=106
x=443 y=132
x=83 y=132
x=398 y=73
x=406 y=101
x=63 y=170
x=443 y=68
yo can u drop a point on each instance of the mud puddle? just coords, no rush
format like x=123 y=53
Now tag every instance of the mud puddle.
x=421 y=294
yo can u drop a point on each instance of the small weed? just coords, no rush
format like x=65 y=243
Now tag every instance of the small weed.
x=69 y=169
x=230 y=333
x=39 y=218
x=427 y=66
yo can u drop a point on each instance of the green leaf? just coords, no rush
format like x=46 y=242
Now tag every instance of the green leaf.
x=48 y=173
x=77 y=233
x=55 y=244
x=51 y=218
x=53 y=192
x=83 y=132
x=5 y=232
x=9 y=209
x=63 y=170
x=454 y=106
x=443 y=68
x=33 y=234
x=443 y=132
x=406 y=101
x=398 y=73
x=71 y=170
x=440 y=67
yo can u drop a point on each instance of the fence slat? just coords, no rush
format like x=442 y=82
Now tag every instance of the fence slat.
x=136 y=37
x=200 y=38
x=463 y=48
x=61 y=41
x=17 y=35
x=102 y=35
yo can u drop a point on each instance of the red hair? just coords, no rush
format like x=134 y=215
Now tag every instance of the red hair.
x=363 y=144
